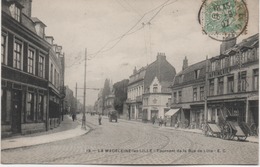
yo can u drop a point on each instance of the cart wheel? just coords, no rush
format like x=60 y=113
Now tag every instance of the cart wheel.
x=253 y=129
x=241 y=138
x=226 y=132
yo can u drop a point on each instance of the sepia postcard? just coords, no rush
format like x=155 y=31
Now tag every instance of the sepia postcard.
x=130 y=82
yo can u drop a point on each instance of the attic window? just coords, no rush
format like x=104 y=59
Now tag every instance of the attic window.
x=197 y=74
x=15 y=12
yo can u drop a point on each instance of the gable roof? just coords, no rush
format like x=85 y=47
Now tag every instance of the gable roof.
x=161 y=69
x=187 y=75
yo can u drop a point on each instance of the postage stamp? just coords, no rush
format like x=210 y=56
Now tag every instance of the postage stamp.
x=223 y=19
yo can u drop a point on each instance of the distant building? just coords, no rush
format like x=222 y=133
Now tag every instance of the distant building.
x=148 y=89
x=25 y=78
x=109 y=100
x=100 y=102
x=135 y=91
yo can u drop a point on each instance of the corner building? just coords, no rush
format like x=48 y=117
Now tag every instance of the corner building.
x=25 y=70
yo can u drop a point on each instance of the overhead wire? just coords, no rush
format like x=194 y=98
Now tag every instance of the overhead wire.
x=101 y=50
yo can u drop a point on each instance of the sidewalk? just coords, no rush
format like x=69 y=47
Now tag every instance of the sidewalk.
x=251 y=139
x=67 y=129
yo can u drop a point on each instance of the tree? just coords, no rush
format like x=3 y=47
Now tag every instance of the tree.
x=120 y=89
x=106 y=91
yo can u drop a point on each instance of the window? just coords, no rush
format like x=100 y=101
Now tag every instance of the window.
x=220 y=85
x=255 y=79
x=211 y=87
x=232 y=60
x=15 y=12
x=29 y=107
x=31 y=59
x=40 y=108
x=51 y=73
x=202 y=93
x=213 y=66
x=4 y=49
x=197 y=74
x=155 y=88
x=227 y=61
x=242 y=83
x=180 y=96
x=41 y=66
x=17 y=59
x=174 y=97
x=194 y=94
x=230 y=85
x=55 y=77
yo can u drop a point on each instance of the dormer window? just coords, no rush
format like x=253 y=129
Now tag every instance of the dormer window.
x=155 y=88
x=15 y=11
x=197 y=74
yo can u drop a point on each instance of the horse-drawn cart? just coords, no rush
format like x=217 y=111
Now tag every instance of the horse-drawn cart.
x=211 y=129
x=231 y=128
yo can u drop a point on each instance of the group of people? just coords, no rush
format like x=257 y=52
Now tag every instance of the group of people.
x=161 y=121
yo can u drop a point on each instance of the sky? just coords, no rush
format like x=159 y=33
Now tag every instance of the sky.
x=119 y=35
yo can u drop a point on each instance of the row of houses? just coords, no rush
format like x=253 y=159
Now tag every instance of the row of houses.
x=32 y=72
x=210 y=90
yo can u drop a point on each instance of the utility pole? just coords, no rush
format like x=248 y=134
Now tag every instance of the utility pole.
x=84 y=103
x=206 y=92
x=76 y=98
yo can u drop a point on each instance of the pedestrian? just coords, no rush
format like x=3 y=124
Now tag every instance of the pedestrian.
x=160 y=121
x=99 y=119
x=73 y=116
x=165 y=121
x=153 y=119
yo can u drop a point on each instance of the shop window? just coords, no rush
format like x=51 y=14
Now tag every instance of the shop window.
x=40 y=108
x=211 y=87
x=194 y=94
x=30 y=107
x=256 y=79
x=220 y=85
x=202 y=93
x=230 y=85
x=242 y=82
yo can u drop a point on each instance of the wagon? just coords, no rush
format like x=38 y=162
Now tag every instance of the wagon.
x=231 y=128
x=211 y=129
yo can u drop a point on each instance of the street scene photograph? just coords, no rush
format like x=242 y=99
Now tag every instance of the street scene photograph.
x=130 y=82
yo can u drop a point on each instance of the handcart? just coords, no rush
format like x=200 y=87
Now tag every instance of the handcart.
x=231 y=129
x=211 y=129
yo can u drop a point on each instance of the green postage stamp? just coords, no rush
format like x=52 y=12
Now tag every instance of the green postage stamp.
x=223 y=19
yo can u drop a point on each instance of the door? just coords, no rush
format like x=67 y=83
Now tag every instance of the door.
x=16 y=111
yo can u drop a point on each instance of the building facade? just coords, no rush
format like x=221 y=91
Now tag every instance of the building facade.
x=188 y=92
x=135 y=90
x=233 y=82
x=157 y=93
x=25 y=56
x=148 y=89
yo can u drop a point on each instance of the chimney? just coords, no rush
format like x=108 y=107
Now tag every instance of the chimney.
x=161 y=56
x=27 y=4
x=229 y=42
x=49 y=39
x=135 y=71
x=185 y=63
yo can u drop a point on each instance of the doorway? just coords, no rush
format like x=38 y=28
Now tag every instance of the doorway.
x=16 y=111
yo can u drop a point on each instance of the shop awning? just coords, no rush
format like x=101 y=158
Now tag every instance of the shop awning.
x=172 y=112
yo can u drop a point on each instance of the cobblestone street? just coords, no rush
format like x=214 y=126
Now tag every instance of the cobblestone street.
x=128 y=142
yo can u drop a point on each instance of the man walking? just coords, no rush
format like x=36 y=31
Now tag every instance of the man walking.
x=99 y=119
